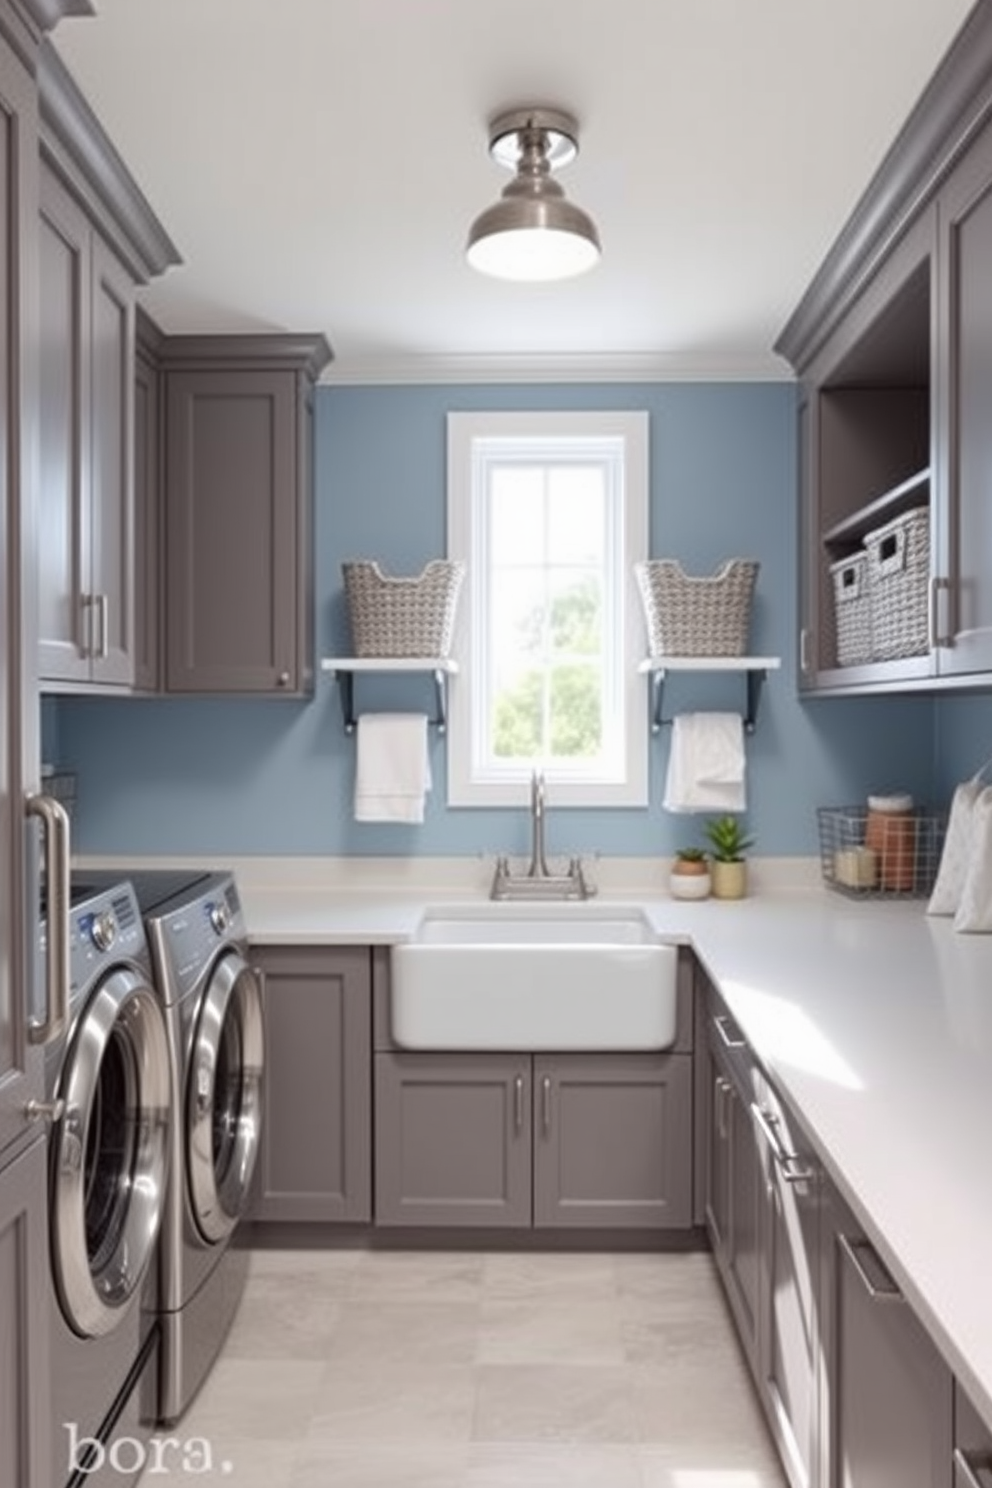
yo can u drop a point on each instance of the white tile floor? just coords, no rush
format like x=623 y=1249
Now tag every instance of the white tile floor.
x=388 y=1369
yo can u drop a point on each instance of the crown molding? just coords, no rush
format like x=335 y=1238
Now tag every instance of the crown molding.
x=556 y=368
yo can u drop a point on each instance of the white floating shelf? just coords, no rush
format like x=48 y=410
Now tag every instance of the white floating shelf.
x=755 y=668
x=345 y=667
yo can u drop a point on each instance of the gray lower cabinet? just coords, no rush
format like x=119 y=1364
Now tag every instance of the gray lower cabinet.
x=512 y=1140
x=315 y=1161
x=25 y=1428
x=886 y=1406
x=972 y=1445
x=732 y=1181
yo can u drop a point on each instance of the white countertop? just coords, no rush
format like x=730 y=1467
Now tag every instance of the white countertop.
x=875 y=1021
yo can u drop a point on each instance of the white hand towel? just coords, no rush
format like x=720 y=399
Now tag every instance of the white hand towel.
x=392 y=769
x=706 y=763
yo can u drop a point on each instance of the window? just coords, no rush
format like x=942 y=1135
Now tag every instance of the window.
x=549 y=511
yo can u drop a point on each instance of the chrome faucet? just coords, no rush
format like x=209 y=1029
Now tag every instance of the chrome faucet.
x=539 y=882
x=538 y=863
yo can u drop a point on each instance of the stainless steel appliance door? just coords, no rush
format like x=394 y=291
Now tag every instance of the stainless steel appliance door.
x=224 y=1097
x=110 y=1152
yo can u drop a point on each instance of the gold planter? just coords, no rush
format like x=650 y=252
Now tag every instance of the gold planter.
x=729 y=880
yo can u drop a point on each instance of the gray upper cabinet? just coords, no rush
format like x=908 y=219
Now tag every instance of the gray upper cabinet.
x=963 y=618
x=886 y=1408
x=238 y=512
x=86 y=591
x=315 y=1161
x=890 y=343
x=97 y=241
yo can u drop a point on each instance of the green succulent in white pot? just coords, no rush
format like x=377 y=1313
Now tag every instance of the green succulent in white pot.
x=729 y=843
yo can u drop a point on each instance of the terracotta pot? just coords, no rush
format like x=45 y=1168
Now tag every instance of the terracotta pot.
x=689 y=879
x=729 y=879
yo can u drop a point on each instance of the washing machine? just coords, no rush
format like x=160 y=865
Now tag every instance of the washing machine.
x=197 y=939
x=109 y=1095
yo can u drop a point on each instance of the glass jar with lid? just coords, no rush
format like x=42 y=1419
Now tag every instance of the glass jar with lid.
x=890 y=832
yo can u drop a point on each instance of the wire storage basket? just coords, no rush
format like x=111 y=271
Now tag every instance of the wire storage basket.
x=901 y=864
x=402 y=616
x=898 y=579
x=697 y=616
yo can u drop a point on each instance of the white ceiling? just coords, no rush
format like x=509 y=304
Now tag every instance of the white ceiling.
x=318 y=162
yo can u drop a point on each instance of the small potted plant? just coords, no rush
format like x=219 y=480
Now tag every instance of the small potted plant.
x=690 y=874
x=728 y=843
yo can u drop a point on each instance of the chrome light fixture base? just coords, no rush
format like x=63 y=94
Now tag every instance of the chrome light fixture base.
x=533 y=232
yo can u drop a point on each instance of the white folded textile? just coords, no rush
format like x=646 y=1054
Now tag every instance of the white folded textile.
x=706 y=763
x=974 y=911
x=392 y=769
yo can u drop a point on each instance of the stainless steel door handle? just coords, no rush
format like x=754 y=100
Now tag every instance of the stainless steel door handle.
x=721 y=1096
x=790 y=1164
x=880 y=1287
x=55 y=824
x=729 y=1042
x=52 y=1111
x=103 y=614
x=518 y=1103
x=546 y=1103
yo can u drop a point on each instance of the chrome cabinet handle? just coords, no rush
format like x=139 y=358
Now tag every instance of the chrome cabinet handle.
x=103 y=614
x=934 y=636
x=790 y=1164
x=804 y=650
x=55 y=823
x=729 y=1042
x=881 y=1287
x=721 y=1097
x=283 y=679
x=972 y=1472
x=546 y=1103
x=52 y=1111
x=518 y=1103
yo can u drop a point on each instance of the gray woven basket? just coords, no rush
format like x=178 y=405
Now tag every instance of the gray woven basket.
x=852 y=610
x=898 y=585
x=688 y=616
x=408 y=616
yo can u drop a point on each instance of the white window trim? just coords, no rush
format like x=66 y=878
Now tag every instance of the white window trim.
x=463 y=429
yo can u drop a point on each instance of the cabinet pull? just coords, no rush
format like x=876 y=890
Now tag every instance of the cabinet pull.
x=880 y=1287
x=935 y=638
x=791 y=1167
x=971 y=1472
x=804 y=650
x=518 y=1103
x=546 y=1103
x=721 y=1095
x=55 y=824
x=103 y=611
x=720 y=1022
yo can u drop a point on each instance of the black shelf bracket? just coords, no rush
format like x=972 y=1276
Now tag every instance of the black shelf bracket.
x=754 y=678
x=346 y=684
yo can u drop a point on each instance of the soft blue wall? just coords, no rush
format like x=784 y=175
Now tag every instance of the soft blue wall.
x=964 y=740
x=242 y=776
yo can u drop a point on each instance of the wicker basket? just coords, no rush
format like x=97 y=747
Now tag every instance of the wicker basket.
x=852 y=610
x=898 y=577
x=689 y=616
x=412 y=616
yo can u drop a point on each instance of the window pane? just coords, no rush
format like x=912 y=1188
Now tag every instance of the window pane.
x=576 y=513
x=518 y=715
x=576 y=712
x=575 y=618
x=516 y=514
x=517 y=612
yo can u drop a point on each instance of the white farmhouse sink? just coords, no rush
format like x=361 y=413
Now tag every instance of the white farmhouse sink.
x=534 y=977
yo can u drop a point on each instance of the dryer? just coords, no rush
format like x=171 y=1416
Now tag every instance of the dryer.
x=212 y=999
x=109 y=1094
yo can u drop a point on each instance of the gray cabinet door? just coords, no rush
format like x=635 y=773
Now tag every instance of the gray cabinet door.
x=452 y=1139
x=886 y=1406
x=235 y=498
x=613 y=1141
x=147 y=508
x=25 y=1416
x=315 y=1161
x=972 y=1444
x=964 y=537
x=734 y=1181
x=86 y=588
x=21 y=1062
x=788 y=1334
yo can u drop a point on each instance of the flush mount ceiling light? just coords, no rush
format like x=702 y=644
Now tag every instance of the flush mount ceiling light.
x=533 y=231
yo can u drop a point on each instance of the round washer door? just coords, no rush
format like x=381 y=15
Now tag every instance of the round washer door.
x=224 y=1098
x=110 y=1153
